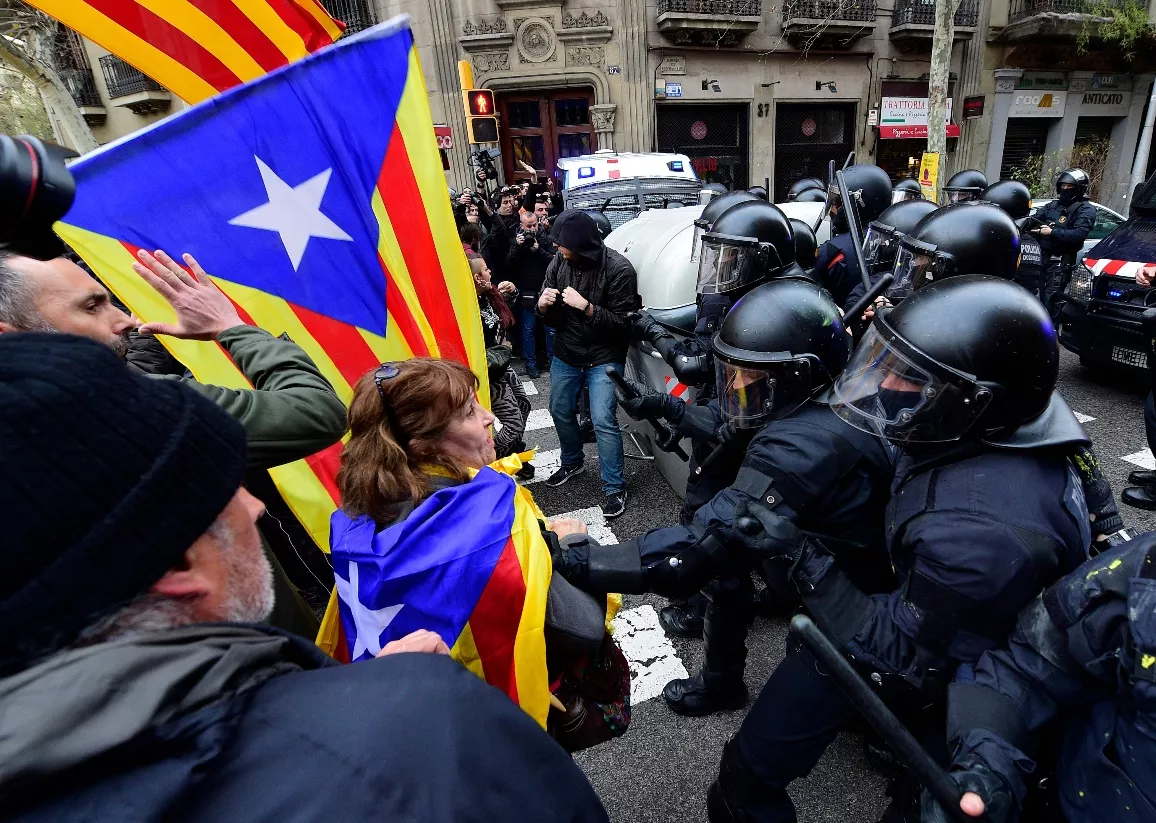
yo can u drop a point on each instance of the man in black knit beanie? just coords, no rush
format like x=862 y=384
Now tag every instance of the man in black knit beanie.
x=135 y=683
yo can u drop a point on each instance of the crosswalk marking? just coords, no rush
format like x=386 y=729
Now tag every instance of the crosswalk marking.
x=1142 y=458
x=595 y=523
x=529 y=388
x=545 y=464
x=1084 y=418
x=539 y=419
x=653 y=661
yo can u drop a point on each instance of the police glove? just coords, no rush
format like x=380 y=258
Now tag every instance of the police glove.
x=648 y=404
x=978 y=777
x=766 y=534
x=643 y=327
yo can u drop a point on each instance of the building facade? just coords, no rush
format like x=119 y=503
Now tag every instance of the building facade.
x=754 y=93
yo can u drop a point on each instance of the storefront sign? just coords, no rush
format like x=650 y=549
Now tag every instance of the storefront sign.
x=445 y=137
x=929 y=174
x=973 y=106
x=1048 y=80
x=1105 y=103
x=672 y=64
x=674 y=89
x=1038 y=104
x=1111 y=81
x=873 y=117
x=906 y=117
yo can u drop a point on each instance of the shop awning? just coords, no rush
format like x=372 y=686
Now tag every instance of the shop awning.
x=916 y=132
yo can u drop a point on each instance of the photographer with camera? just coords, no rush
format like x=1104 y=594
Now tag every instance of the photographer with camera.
x=526 y=264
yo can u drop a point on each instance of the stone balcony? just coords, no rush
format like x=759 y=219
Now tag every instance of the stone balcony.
x=708 y=22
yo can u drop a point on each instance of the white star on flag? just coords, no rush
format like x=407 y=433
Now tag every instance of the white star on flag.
x=369 y=623
x=294 y=212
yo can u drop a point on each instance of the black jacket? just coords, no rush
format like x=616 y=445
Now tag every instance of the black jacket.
x=1070 y=226
x=496 y=244
x=526 y=265
x=240 y=723
x=606 y=279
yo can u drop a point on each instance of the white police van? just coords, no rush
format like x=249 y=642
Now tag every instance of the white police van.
x=623 y=184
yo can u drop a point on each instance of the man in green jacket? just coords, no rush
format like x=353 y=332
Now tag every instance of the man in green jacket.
x=290 y=413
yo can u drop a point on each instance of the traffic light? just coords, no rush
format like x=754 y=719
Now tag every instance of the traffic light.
x=481 y=124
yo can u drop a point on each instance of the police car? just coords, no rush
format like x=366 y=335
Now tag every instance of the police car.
x=1101 y=318
x=623 y=184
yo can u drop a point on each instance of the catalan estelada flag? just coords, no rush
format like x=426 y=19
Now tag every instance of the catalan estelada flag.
x=315 y=198
x=197 y=48
x=468 y=563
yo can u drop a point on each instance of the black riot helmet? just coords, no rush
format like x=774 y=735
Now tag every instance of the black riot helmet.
x=881 y=242
x=970 y=355
x=759 y=192
x=906 y=189
x=713 y=211
x=870 y=190
x=1010 y=195
x=717 y=188
x=1071 y=185
x=806 y=184
x=965 y=238
x=812 y=196
x=601 y=221
x=747 y=244
x=780 y=345
x=806 y=244
x=965 y=185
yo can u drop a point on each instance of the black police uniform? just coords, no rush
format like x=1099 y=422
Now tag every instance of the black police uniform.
x=1083 y=653
x=1070 y=224
x=975 y=527
x=837 y=268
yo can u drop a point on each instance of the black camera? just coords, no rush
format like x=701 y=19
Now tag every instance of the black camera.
x=36 y=190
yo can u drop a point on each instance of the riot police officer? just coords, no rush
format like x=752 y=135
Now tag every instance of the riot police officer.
x=811 y=196
x=806 y=244
x=837 y=269
x=713 y=211
x=881 y=240
x=1016 y=199
x=985 y=511
x=1010 y=195
x=777 y=350
x=906 y=189
x=965 y=185
x=806 y=184
x=1081 y=653
x=965 y=238
x=759 y=192
x=1065 y=224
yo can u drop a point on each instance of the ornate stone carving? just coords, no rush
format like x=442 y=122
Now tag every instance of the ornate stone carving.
x=482 y=27
x=487 y=62
x=586 y=56
x=602 y=116
x=583 y=20
x=536 y=41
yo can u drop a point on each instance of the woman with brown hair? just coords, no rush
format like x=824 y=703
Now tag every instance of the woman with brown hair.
x=507 y=397
x=425 y=521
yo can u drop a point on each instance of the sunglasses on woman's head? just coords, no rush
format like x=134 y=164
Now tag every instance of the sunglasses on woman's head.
x=386 y=371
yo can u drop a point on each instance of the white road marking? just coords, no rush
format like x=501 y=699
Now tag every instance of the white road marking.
x=530 y=389
x=653 y=661
x=1084 y=418
x=545 y=464
x=539 y=419
x=1142 y=458
x=595 y=523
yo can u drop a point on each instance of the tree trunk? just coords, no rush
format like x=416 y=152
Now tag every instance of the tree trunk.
x=937 y=86
x=62 y=109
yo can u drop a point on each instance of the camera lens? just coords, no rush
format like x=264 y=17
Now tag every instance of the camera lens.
x=36 y=190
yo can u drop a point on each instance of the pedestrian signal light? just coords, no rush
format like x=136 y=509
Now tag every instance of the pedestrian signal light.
x=482 y=125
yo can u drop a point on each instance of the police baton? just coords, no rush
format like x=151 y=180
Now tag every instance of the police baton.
x=827 y=202
x=853 y=315
x=665 y=437
x=723 y=437
x=853 y=228
x=927 y=771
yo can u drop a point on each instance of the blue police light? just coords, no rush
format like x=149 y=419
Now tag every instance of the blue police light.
x=585 y=171
x=1115 y=294
x=674 y=165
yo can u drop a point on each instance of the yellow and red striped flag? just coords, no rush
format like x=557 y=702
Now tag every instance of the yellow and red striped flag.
x=198 y=48
x=322 y=215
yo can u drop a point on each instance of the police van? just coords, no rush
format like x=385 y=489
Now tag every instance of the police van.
x=623 y=184
x=1101 y=318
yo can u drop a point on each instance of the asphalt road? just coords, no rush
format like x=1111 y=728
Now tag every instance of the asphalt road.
x=658 y=772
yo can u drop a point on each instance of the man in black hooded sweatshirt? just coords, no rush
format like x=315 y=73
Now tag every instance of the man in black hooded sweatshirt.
x=588 y=292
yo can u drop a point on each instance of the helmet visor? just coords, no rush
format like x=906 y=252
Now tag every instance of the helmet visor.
x=889 y=392
x=700 y=228
x=902 y=195
x=879 y=246
x=727 y=264
x=960 y=195
x=750 y=394
x=914 y=267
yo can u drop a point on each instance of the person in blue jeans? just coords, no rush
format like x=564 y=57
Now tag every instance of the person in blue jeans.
x=587 y=295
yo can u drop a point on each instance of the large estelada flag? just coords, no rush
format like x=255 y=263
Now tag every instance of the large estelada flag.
x=485 y=595
x=315 y=198
x=197 y=48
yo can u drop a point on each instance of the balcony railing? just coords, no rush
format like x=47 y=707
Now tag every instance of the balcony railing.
x=1022 y=9
x=922 y=12
x=854 y=10
x=123 y=79
x=355 y=14
x=720 y=8
x=81 y=86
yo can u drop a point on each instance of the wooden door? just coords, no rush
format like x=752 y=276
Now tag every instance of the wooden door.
x=539 y=128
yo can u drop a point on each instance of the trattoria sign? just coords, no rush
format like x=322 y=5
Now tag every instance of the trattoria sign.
x=906 y=118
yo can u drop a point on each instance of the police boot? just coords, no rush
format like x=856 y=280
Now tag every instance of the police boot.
x=684 y=619
x=719 y=685
x=1142 y=497
x=1142 y=477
